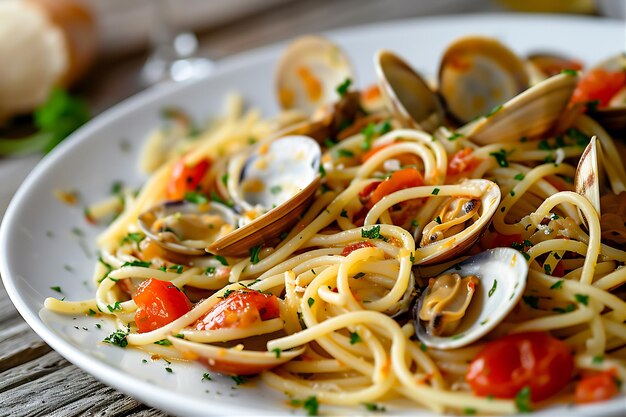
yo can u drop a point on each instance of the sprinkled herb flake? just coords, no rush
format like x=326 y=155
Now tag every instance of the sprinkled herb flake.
x=140 y=264
x=206 y=377
x=196 y=198
x=569 y=71
x=582 y=298
x=531 y=300
x=225 y=179
x=501 y=158
x=548 y=269
x=277 y=352
x=469 y=411
x=310 y=405
x=493 y=288
x=374 y=407
x=522 y=400
x=344 y=214
x=568 y=309
x=118 y=338
x=163 y=342
x=57 y=289
x=276 y=189
x=117 y=306
x=455 y=136
x=438 y=220
x=221 y=260
x=435 y=191
x=169 y=370
x=359 y=275
x=176 y=268
x=344 y=153
x=494 y=111
x=210 y=270
x=373 y=233
x=310 y=301
x=342 y=88
x=519 y=177
x=557 y=285
x=254 y=254
x=423 y=347
x=512 y=192
x=239 y=380
x=322 y=170
x=354 y=338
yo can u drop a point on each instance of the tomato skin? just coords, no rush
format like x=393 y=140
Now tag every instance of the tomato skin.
x=599 y=387
x=599 y=84
x=351 y=248
x=240 y=309
x=399 y=180
x=533 y=359
x=186 y=178
x=462 y=161
x=159 y=303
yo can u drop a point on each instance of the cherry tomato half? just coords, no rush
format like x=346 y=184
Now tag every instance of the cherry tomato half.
x=599 y=84
x=186 y=178
x=533 y=359
x=599 y=387
x=399 y=180
x=354 y=246
x=159 y=303
x=240 y=309
x=462 y=161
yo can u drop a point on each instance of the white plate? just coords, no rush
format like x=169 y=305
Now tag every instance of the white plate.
x=36 y=242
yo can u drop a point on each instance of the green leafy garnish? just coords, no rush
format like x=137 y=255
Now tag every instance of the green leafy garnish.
x=373 y=233
x=494 y=111
x=137 y=263
x=57 y=289
x=163 y=342
x=569 y=71
x=500 y=158
x=310 y=405
x=374 y=407
x=435 y=191
x=254 y=254
x=196 y=198
x=455 y=136
x=239 y=380
x=531 y=300
x=557 y=285
x=342 y=88
x=522 y=400
x=493 y=287
x=519 y=177
x=118 y=338
x=310 y=301
x=55 y=120
x=582 y=298
x=354 y=338
x=345 y=153
x=221 y=260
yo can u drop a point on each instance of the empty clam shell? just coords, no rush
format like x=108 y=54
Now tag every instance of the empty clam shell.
x=232 y=361
x=549 y=64
x=187 y=228
x=477 y=74
x=587 y=179
x=453 y=246
x=501 y=279
x=309 y=72
x=529 y=114
x=406 y=93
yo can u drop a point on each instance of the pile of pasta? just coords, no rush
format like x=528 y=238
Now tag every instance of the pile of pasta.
x=343 y=293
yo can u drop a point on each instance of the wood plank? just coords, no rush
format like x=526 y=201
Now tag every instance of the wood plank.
x=18 y=345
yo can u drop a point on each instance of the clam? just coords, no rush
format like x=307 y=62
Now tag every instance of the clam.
x=407 y=94
x=476 y=74
x=187 y=228
x=276 y=184
x=549 y=64
x=458 y=223
x=613 y=115
x=529 y=114
x=309 y=72
x=587 y=179
x=469 y=300
x=232 y=361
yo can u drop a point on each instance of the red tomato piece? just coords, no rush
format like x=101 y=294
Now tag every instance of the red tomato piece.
x=498 y=240
x=240 y=309
x=399 y=180
x=533 y=359
x=462 y=161
x=159 y=303
x=366 y=192
x=186 y=178
x=599 y=84
x=599 y=387
x=354 y=246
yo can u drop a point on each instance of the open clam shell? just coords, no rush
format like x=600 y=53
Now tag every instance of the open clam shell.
x=501 y=274
x=277 y=183
x=187 y=228
x=407 y=94
x=453 y=246
x=309 y=72
x=232 y=361
x=530 y=114
x=476 y=74
x=588 y=175
x=548 y=64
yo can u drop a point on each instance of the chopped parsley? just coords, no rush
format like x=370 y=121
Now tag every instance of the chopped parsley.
x=210 y=270
x=519 y=177
x=512 y=192
x=532 y=301
x=582 y=298
x=277 y=352
x=168 y=370
x=276 y=189
x=370 y=130
x=423 y=347
x=359 y=275
x=494 y=111
x=469 y=411
x=522 y=400
x=435 y=191
x=568 y=309
x=354 y=338
x=557 y=285
x=216 y=197
x=493 y=287
x=141 y=264
x=196 y=198
x=92 y=312
x=133 y=237
x=310 y=405
x=221 y=260
x=310 y=301
x=118 y=338
x=117 y=306
x=163 y=342
x=374 y=407
x=581 y=139
x=57 y=289
x=544 y=145
x=345 y=153
x=437 y=220
x=342 y=88
x=206 y=377
x=177 y=268
x=455 y=136
x=225 y=179
x=239 y=380
x=254 y=254
x=569 y=71
x=412 y=257
x=322 y=171
x=598 y=359
x=548 y=269
x=227 y=293
x=500 y=158
x=373 y=233
x=344 y=214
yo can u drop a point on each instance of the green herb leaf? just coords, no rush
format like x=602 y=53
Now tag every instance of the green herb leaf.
x=276 y=189
x=493 y=288
x=557 y=285
x=117 y=306
x=322 y=170
x=344 y=214
x=225 y=179
x=342 y=88
x=118 y=338
x=522 y=400
x=345 y=153
x=582 y=298
x=210 y=270
x=277 y=352
x=519 y=177
x=598 y=359
x=196 y=198
x=254 y=254
x=57 y=289
x=548 y=269
x=437 y=220
x=359 y=275
x=55 y=120
x=354 y=338
x=494 y=111
x=435 y=191
x=310 y=301
x=239 y=380
x=373 y=233
x=221 y=260
x=455 y=136
x=141 y=264
x=163 y=342
x=531 y=300
x=500 y=158
x=206 y=377
x=569 y=71
x=374 y=407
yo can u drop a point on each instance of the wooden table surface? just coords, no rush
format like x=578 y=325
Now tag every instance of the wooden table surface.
x=34 y=379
